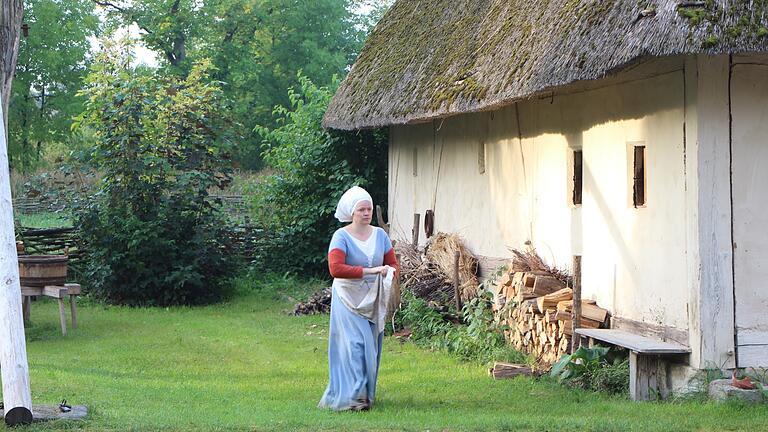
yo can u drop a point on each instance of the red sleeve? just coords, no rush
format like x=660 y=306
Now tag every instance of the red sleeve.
x=337 y=265
x=391 y=260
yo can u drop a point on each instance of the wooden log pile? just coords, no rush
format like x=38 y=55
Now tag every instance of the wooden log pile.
x=318 y=303
x=537 y=307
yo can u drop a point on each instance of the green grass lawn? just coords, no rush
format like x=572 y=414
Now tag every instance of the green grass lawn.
x=43 y=220
x=247 y=365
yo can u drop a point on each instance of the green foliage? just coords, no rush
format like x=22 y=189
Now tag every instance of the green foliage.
x=759 y=376
x=312 y=167
x=49 y=73
x=479 y=338
x=154 y=235
x=257 y=47
x=597 y=368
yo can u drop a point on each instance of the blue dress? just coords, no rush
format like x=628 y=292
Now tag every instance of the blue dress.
x=354 y=348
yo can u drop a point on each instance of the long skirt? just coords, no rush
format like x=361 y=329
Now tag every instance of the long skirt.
x=354 y=354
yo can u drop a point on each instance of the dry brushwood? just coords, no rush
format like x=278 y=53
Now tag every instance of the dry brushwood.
x=442 y=252
x=421 y=277
x=528 y=260
x=318 y=303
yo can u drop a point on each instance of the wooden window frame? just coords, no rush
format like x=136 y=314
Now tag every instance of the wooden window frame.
x=481 y=157
x=639 y=175
x=577 y=185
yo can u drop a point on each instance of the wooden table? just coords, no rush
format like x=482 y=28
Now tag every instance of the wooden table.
x=59 y=293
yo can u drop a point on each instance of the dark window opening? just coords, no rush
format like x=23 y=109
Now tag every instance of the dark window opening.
x=577 y=177
x=638 y=190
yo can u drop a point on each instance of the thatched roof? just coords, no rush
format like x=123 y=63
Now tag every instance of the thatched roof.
x=434 y=58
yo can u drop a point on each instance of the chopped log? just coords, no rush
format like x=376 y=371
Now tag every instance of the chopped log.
x=550 y=301
x=567 y=325
x=588 y=310
x=506 y=279
x=509 y=370
x=544 y=285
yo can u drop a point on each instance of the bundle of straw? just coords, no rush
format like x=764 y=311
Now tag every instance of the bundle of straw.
x=441 y=252
x=422 y=277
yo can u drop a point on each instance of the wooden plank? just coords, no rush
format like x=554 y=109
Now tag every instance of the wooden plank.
x=637 y=343
x=55 y=291
x=647 y=377
x=653 y=331
x=31 y=291
x=73 y=288
x=753 y=356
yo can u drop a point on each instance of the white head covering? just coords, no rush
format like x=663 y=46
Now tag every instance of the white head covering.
x=349 y=201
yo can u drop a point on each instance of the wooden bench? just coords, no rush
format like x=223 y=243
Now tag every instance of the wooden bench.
x=647 y=370
x=57 y=292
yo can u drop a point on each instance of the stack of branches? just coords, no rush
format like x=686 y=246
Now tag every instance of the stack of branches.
x=318 y=303
x=420 y=276
x=528 y=260
x=442 y=252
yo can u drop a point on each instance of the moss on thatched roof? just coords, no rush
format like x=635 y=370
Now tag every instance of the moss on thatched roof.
x=434 y=58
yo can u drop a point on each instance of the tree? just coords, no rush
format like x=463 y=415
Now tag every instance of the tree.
x=257 y=47
x=312 y=169
x=167 y=25
x=154 y=235
x=50 y=70
x=10 y=28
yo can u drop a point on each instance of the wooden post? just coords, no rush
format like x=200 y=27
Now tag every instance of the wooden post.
x=380 y=220
x=17 y=398
x=456 y=282
x=415 y=232
x=62 y=316
x=576 y=309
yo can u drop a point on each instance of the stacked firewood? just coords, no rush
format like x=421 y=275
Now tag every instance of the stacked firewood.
x=318 y=303
x=537 y=308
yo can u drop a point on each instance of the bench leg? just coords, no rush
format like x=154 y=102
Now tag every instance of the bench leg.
x=26 y=307
x=647 y=377
x=73 y=310
x=62 y=317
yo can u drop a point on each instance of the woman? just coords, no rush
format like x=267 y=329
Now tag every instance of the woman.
x=362 y=262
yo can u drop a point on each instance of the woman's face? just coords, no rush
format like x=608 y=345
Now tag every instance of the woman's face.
x=363 y=213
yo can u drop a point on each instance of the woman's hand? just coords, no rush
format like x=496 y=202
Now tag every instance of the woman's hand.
x=376 y=270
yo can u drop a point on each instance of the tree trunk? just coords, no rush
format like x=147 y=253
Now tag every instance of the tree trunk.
x=10 y=27
x=17 y=398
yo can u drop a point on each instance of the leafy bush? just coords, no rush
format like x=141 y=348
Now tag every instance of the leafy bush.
x=597 y=368
x=154 y=235
x=479 y=338
x=312 y=168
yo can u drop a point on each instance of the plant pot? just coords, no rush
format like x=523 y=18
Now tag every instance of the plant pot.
x=42 y=270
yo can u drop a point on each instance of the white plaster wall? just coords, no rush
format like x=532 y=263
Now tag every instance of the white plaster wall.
x=633 y=259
